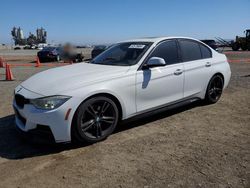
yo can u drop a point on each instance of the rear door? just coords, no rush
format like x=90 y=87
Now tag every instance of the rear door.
x=160 y=85
x=197 y=60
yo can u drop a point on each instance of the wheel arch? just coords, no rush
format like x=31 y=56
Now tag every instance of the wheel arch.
x=217 y=73
x=220 y=74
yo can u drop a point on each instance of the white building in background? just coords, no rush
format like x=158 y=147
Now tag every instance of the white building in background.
x=20 y=34
x=19 y=38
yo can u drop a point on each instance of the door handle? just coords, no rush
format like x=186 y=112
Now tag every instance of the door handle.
x=208 y=64
x=178 y=72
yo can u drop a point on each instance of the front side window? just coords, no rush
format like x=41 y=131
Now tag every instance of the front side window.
x=167 y=50
x=122 y=54
x=190 y=50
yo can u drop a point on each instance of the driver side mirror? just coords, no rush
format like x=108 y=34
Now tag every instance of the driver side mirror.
x=154 y=62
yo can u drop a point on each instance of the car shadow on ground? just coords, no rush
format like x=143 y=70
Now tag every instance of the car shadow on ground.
x=13 y=146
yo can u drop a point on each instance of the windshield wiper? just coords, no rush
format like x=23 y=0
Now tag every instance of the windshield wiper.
x=110 y=61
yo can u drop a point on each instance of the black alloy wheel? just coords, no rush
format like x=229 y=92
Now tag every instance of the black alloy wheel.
x=95 y=120
x=214 y=89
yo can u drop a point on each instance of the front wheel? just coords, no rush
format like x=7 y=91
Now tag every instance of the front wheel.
x=214 y=89
x=95 y=120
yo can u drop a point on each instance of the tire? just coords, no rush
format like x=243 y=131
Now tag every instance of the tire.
x=95 y=120
x=214 y=89
x=244 y=47
x=248 y=47
x=235 y=46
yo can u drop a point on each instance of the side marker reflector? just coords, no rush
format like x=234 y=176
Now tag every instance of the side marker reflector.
x=67 y=114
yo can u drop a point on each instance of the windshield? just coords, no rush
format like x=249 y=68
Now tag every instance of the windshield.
x=122 y=54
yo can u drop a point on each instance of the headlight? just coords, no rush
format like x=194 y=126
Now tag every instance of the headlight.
x=49 y=103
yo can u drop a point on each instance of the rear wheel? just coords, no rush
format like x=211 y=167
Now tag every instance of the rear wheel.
x=95 y=120
x=214 y=89
x=244 y=47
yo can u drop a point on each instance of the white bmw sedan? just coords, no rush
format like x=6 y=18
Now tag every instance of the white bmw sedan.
x=85 y=101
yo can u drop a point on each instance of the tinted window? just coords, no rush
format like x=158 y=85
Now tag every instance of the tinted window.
x=168 y=51
x=205 y=51
x=190 y=50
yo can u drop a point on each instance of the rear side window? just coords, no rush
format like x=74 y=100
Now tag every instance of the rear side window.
x=167 y=50
x=190 y=50
x=205 y=51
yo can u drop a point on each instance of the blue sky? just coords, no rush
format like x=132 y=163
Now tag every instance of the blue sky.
x=107 y=21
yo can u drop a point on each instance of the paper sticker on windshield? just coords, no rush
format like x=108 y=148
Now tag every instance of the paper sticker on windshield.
x=137 y=46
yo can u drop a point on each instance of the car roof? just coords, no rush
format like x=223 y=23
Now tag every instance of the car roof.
x=157 y=39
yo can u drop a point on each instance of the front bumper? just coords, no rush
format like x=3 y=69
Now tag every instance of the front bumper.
x=31 y=120
x=42 y=134
x=47 y=58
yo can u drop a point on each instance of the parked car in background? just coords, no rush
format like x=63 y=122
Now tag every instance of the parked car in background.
x=26 y=47
x=40 y=46
x=29 y=47
x=59 y=53
x=85 y=101
x=70 y=54
x=50 y=54
x=211 y=43
x=17 y=48
x=97 y=50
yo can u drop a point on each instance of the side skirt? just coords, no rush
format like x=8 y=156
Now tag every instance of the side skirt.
x=162 y=108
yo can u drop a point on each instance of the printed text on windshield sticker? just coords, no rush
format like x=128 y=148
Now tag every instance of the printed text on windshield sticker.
x=137 y=46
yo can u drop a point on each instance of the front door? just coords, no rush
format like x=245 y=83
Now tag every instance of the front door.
x=160 y=85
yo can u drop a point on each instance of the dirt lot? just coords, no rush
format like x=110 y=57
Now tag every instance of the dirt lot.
x=192 y=146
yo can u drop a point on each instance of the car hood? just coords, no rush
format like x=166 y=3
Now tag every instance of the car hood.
x=55 y=81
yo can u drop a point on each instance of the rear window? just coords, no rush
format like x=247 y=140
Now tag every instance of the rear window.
x=205 y=51
x=190 y=50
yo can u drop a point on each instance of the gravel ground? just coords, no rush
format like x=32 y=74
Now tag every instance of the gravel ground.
x=192 y=146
